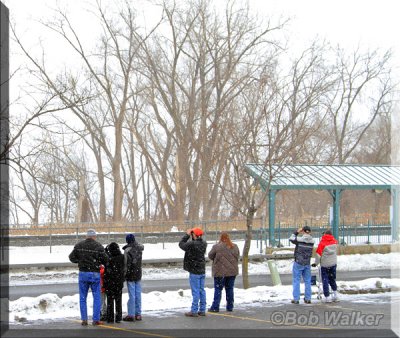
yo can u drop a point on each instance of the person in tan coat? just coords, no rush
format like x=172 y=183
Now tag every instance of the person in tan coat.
x=225 y=257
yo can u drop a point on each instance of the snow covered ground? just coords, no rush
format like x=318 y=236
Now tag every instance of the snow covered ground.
x=50 y=306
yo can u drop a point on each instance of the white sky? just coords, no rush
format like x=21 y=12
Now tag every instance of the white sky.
x=369 y=22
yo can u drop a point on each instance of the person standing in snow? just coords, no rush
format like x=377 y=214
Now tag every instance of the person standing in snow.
x=133 y=275
x=114 y=283
x=326 y=255
x=194 y=262
x=225 y=257
x=89 y=254
x=304 y=243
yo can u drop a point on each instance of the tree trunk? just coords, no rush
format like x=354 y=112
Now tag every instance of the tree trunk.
x=245 y=257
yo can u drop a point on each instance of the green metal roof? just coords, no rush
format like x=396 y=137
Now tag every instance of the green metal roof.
x=321 y=177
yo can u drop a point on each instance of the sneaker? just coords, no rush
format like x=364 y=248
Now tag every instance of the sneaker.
x=128 y=318
x=138 y=317
x=191 y=314
x=202 y=314
x=335 y=297
x=295 y=301
x=212 y=310
x=328 y=299
x=97 y=322
x=307 y=301
x=84 y=323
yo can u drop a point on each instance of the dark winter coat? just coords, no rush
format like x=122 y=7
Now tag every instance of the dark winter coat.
x=304 y=248
x=133 y=261
x=225 y=260
x=89 y=254
x=194 y=260
x=114 y=273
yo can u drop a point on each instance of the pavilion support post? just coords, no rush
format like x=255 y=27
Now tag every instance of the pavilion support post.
x=271 y=217
x=336 y=212
x=395 y=216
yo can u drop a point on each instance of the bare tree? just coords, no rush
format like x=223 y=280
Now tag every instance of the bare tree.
x=194 y=79
x=104 y=93
x=363 y=90
x=280 y=118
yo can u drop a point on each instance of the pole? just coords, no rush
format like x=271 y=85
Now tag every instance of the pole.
x=276 y=279
x=271 y=217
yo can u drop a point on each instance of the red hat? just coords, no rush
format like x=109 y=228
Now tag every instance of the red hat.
x=197 y=231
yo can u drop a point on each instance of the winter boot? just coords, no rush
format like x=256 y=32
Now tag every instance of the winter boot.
x=335 y=297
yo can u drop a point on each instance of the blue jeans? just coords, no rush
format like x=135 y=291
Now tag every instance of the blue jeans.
x=219 y=284
x=328 y=276
x=135 y=298
x=89 y=280
x=198 y=292
x=299 y=271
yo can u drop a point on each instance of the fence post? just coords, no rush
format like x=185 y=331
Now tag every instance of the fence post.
x=163 y=236
x=50 y=237
x=276 y=280
x=368 y=233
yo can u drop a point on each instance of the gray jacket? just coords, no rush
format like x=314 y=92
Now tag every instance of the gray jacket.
x=326 y=253
x=304 y=248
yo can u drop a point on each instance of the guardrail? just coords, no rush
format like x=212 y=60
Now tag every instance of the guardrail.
x=146 y=262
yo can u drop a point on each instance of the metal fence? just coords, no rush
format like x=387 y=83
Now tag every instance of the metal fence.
x=153 y=232
x=370 y=233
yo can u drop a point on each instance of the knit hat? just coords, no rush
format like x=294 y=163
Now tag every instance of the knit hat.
x=91 y=233
x=113 y=248
x=130 y=238
x=197 y=231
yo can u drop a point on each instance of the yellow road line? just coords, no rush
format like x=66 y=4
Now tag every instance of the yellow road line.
x=238 y=317
x=128 y=330
x=265 y=321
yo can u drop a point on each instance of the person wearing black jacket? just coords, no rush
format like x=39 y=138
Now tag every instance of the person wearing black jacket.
x=114 y=283
x=194 y=262
x=133 y=275
x=89 y=254
x=304 y=243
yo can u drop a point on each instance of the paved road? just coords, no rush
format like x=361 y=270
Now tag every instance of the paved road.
x=355 y=317
x=62 y=289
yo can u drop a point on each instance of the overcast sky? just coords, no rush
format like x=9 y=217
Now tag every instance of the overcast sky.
x=368 y=23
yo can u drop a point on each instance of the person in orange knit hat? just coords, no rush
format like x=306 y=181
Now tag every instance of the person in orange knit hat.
x=195 y=263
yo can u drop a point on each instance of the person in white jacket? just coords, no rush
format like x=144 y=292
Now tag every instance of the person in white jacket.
x=326 y=255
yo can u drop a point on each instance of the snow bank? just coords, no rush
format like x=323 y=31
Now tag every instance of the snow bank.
x=50 y=306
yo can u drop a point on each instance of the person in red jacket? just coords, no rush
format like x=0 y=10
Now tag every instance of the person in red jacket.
x=326 y=255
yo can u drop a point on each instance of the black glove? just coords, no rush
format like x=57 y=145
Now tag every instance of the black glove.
x=313 y=265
